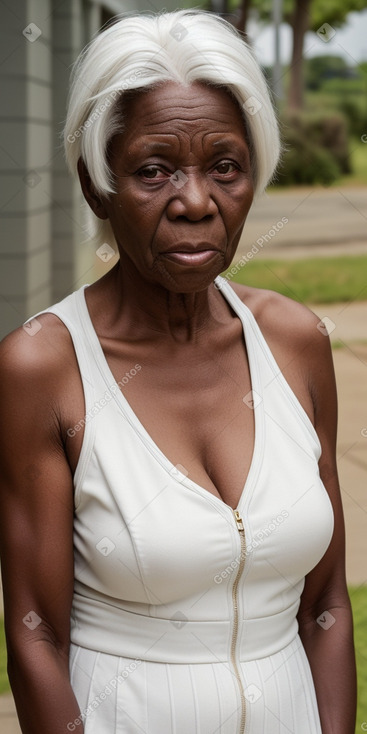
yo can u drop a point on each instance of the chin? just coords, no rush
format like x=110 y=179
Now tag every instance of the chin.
x=187 y=280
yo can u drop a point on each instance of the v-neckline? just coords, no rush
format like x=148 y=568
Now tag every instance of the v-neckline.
x=245 y=316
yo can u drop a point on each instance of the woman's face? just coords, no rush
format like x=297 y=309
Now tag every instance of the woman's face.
x=184 y=185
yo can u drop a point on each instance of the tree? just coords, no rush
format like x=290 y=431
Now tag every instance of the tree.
x=304 y=15
x=324 y=18
x=235 y=12
x=320 y=68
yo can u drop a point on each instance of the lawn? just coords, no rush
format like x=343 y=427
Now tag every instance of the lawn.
x=358 y=156
x=359 y=604
x=4 y=685
x=315 y=280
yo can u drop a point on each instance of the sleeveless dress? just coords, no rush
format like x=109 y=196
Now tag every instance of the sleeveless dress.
x=184 y=610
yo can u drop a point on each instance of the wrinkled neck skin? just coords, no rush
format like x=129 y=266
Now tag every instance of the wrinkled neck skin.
x=143 y=308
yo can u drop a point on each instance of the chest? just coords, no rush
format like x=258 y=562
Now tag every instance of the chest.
x=194 y=404
x=193 y=409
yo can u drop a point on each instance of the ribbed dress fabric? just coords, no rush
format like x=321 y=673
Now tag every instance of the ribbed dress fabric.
x=157 y=555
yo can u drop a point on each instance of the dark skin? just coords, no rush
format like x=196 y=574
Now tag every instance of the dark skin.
x=156 y=309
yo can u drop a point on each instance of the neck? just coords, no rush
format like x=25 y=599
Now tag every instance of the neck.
x=148 y=307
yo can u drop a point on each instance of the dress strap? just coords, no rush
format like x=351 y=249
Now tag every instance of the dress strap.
x=270 y=372
x=69 y=311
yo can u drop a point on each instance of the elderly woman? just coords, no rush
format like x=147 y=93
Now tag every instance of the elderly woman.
x=172 y=530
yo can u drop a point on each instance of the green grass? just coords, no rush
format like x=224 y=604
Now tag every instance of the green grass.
x=358 y=157
x=315 y=280
x=359 y=603
x=4 y=683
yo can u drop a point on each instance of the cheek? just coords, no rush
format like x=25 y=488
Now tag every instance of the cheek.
x=131 y=213
x=238 y=205
x=237 y=209
x=146 y=204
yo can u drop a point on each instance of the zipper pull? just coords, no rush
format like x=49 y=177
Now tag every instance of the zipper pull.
x=239 y=521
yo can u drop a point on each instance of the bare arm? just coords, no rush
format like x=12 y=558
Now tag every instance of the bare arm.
x=36 y=524
x=325 y=618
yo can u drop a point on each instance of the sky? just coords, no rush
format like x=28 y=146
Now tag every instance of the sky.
x=350 y=41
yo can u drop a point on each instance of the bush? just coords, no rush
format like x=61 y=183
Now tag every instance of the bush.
x=356 y=114
x=343 y=95
x=331 y=132
x=316 y=148
x=320 y=68
x=305 y=163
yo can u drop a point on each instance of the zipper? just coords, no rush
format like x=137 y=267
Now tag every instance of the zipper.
x=241 y=530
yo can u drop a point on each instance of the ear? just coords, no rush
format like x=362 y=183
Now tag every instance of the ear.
x=94 y=200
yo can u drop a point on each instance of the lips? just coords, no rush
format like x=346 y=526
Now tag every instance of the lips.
x=187 y=253
x=193 y=257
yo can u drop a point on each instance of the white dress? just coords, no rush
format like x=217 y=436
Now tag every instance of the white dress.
x=184 y=610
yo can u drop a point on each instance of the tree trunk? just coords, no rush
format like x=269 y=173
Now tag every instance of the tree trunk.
x=238 y=18
x=300 y=24
x=219 y=6
x=241 y=21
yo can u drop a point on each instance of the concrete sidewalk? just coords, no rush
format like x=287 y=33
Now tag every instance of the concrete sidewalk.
x=8 y=718
x=350 y=362
x=307 y=222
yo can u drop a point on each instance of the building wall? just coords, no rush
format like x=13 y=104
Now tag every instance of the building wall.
x=26 y=147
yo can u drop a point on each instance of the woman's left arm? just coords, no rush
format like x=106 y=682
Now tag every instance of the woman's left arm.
x=325 y=616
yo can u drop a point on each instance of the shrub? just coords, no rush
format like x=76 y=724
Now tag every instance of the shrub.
x=356 y=114
x=316 y=148
x=321 y=68
x=305 y=163
x=331 y=132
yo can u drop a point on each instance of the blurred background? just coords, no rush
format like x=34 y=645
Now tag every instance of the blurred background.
x=305 y=237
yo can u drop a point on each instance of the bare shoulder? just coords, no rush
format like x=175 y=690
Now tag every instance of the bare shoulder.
x=301 y=346
x=282 y=320
x=41 y=347
x=38 y=372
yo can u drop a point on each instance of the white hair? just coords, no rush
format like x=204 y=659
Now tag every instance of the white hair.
x=141 y=51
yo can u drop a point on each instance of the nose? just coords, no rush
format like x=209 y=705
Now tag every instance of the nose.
x=192 y=198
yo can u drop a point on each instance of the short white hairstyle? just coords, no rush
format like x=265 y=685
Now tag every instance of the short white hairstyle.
x=142 y=51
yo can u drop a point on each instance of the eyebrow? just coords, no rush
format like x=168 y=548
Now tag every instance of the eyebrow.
x=154 y=145
x=224 y=143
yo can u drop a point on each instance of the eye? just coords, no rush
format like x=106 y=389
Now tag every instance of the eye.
x=152 y=173
x=225 y=167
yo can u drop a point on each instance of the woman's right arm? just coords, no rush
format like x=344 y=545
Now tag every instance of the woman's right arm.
x=36 y=533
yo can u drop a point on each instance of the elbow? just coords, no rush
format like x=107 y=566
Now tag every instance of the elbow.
x=324 y=615
x=28 y=653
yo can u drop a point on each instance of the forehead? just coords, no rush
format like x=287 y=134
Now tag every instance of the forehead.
x=173 y=108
